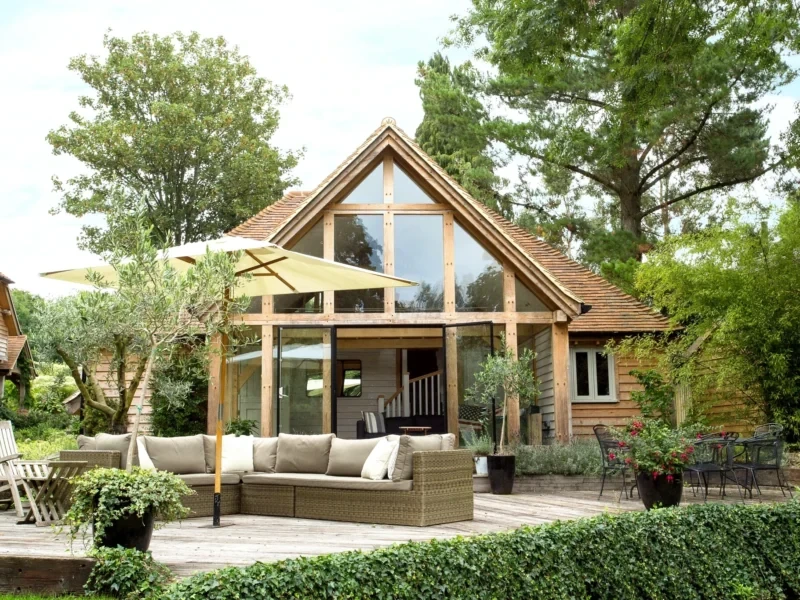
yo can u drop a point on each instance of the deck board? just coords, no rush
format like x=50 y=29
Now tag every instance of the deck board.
x=189 y=546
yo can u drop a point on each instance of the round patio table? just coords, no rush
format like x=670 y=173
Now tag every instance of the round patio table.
x=415 y=430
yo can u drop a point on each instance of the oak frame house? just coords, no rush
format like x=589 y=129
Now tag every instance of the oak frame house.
x=323 y=358
x=14 y=347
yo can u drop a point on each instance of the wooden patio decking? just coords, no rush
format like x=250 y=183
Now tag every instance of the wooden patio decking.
x=190 y=546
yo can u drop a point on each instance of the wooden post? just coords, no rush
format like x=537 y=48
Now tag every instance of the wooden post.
x=451 y=351
x=449 y=264
x=327 y=389
x=563 y=410
x=388 y=232
x=327 y=254
x=512 y=402
x=213 y=383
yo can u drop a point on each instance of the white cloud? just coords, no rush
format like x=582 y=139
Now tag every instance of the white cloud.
x=347 y=65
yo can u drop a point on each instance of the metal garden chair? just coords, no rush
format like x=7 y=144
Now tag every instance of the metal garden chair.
x=763 y=453
x=714 y=455
x=609 y=446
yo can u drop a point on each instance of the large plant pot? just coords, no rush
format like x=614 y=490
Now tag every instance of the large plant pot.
x=481 y=467
x=501 y=473
x=659 y=492
x=131 y=531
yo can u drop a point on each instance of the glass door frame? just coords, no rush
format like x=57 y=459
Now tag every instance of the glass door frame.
x=491 y=325
x=278 y=383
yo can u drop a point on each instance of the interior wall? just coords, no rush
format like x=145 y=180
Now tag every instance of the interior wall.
x=544 y=371
x=378 y=376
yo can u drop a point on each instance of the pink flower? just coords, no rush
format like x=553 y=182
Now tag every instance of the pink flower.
x=612 y=456
x=655 y=474
x=628 y=460
x=670 y=478
x=684 y=456
x=674 y=454
x=622 y=444
x=699 y=436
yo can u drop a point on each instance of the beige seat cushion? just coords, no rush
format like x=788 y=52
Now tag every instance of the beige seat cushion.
x=303 y=453
x=326 y=481
x=208 y=478
x=120 y=443
x=403 y=466
x=348 y=456
x=265 y=454
x=178 y=455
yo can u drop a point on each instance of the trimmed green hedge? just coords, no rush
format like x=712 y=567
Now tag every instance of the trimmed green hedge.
x=702 y=551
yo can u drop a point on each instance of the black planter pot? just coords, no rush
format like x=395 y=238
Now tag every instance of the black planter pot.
x=501 y=473
x=131 y=531
x=659 y=492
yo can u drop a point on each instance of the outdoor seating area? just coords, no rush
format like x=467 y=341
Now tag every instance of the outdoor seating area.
x=307 y=476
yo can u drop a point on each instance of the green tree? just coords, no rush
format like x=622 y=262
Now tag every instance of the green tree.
x=178 y=128
x=28 y=306
x=450 y=130
x=734 y=292
x=627 y=94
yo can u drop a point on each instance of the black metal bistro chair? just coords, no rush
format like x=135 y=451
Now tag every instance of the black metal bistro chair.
x=763 y=453
x=714 y=455
x=609 y=446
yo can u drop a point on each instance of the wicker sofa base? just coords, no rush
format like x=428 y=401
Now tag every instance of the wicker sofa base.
x=201 y=504
x=442 y=493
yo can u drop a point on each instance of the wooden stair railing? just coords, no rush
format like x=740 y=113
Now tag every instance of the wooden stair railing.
x=418 y=396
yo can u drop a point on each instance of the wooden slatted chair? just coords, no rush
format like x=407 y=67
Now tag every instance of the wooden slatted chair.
x=47 y=486
x=10 y=481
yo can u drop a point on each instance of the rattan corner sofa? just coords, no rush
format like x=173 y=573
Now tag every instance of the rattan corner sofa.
x=299 y=476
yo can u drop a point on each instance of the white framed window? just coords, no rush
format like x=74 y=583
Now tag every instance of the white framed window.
x=591 y=375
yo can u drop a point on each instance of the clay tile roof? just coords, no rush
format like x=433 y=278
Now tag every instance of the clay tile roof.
x=5 y=279
x=16 y=343
x=613 y=311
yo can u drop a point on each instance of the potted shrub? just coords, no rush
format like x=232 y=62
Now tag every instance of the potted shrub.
x=481 y=447
x=658 y=454
x=504 y=375
x=120 y=507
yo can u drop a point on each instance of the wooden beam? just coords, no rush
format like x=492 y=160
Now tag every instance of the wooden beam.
x=449 y=264
x=327 y=254
x=267 y=305
x=388 y=231
x=509 y=289
x=327 y=387
x=267 y=393
x=213 y=383
x=399 y=343
x=349 y=209
x=389 y=332
x=426 y=318
x=560 y=350
x=44 y=574
x=451 y=352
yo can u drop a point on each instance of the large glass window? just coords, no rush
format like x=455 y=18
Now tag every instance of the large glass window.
x=305 y=379
x=406 y=191
x=479 y=277
x=419 y=256
x=312 y=245
x=370 y=190
x=358 y=241
x=592 y=375
x=243 y=378
x=526 y=300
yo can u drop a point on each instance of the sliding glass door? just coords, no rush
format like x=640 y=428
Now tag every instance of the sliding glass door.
x=305 y=380
x=466 y=347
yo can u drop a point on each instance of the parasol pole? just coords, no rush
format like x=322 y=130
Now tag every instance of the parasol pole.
x=223 y=374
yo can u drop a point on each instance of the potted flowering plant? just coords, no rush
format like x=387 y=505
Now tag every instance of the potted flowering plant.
x=658 y=454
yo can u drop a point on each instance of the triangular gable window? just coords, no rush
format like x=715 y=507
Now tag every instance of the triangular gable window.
x=526 y=300
x=370 y=190
x=406 y=191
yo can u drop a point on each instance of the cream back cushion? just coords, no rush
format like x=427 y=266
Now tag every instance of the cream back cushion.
x=144 y=457
x=86 y=443
x=448 y=441
x=404 y=465
x=177 y=455
x=347 y=457
x=377 y=463
x=265 y=454
x=303 y=453
x=120 y=443
x=237 y=454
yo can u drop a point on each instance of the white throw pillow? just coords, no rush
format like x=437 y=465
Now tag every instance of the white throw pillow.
x=144 y=457
x=393 y=459
x=377 y=463
x=237 y=454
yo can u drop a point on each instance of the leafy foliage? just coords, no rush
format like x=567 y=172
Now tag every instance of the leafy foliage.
x=180 y=392
x=576 y=457
x=100 y=497
x=733 y=290
x=178 y=127
x=652 y=446
x=745 y=550
x=480 y=443
x=503 y=375
x=35 y=444
x=656 y=398
x=126 y=573
x=645 y=104
x=27 y=306
x=239 y=427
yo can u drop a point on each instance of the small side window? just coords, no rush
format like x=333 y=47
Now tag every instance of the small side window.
x=349 y=378
x=591 y=375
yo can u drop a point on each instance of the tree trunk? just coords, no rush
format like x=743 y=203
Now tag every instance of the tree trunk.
x=630 y=209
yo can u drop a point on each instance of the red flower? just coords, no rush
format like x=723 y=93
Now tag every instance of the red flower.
x=699 y=436
x=690 y=449
x=612 y=456
x=628 y=460
x=684 y=456
x=655 y=474
x=674 y=454
x=622 y=444
x=634 y=433
x=670 y=478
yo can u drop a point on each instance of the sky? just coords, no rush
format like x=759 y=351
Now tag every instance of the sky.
x=348 y=64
